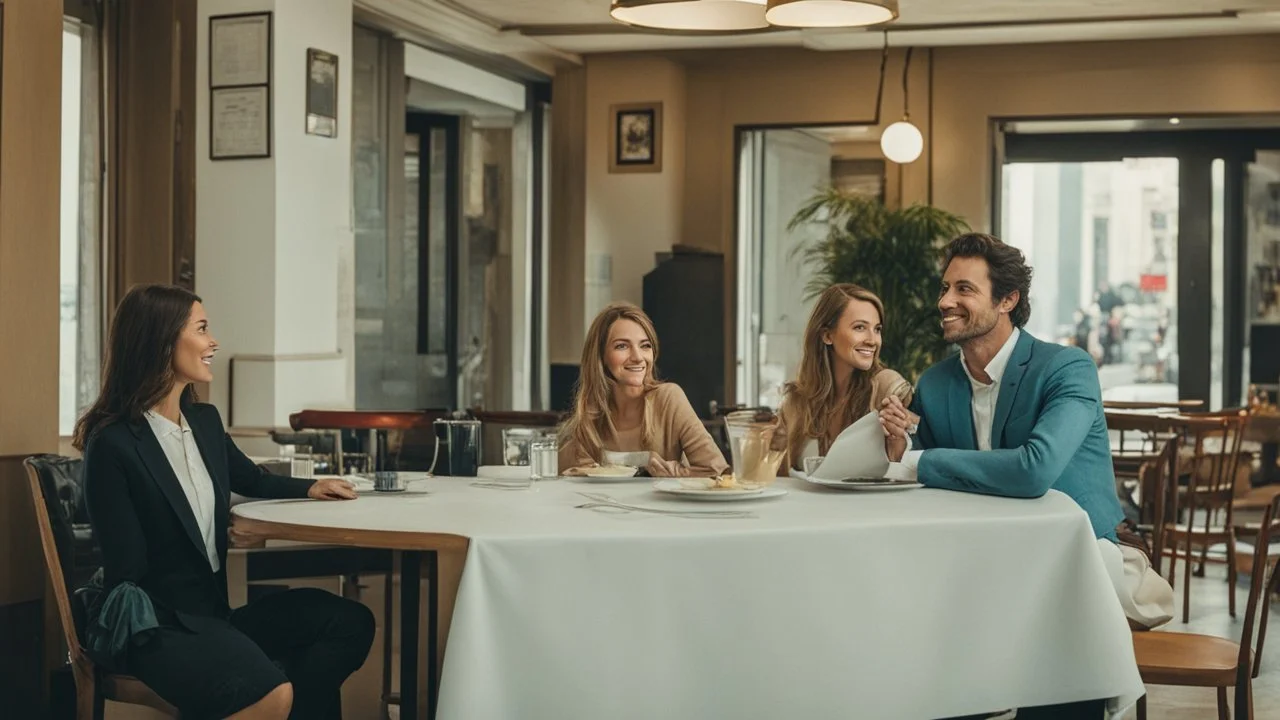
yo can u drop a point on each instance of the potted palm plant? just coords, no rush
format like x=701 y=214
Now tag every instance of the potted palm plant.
x=894 y=253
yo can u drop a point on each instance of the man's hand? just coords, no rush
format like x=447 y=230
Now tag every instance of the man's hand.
x=899 y=424
x=331 y=488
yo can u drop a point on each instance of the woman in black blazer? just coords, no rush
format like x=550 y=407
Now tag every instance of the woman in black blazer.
x=159 y=470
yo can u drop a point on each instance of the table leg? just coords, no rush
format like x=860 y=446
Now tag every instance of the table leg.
x=433 y=633
x=410 y=580
x=411 y=575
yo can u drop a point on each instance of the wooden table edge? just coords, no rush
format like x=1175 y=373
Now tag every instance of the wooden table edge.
x=386 y=539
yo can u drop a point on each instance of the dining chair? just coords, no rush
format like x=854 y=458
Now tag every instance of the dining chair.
x=1189 y=659
x=94 y=686
x=1152 y=467
x=1210 y=471
x=493 y=422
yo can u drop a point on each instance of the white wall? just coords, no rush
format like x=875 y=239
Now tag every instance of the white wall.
x=273 y=235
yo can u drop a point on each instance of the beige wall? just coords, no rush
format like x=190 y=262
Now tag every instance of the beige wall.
x=1187 y=76
x=970 y=87
x=631 y=216
x=566 y=247
x=29 y=214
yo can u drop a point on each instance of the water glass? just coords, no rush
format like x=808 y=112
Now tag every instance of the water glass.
x=302 y=466
x=515 y=445
x=387 y=481
x=544 y=459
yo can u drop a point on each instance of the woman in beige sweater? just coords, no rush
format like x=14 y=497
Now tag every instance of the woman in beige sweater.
x=840 y=377
x=623 y=415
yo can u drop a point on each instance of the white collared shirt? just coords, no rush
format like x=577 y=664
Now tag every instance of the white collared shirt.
x=985 y=398
x=180 y=448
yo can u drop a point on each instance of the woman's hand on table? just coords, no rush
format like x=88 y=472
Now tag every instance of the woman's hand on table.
x=331 y=488
x=657 y=467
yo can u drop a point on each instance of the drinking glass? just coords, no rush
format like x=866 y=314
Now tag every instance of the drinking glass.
x=544 y=459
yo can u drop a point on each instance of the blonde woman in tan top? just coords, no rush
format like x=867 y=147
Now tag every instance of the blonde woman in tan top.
x=840 y=377
x=623 y=415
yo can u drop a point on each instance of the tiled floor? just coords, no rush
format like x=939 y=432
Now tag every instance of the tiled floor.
x=1209 y=616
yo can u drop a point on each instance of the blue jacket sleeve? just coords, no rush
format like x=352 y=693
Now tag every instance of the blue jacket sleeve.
x=1072 y=396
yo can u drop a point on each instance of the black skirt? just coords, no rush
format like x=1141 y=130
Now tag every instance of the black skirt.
x=209 y=667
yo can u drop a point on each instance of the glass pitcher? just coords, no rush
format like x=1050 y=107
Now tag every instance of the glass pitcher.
x=755 y=462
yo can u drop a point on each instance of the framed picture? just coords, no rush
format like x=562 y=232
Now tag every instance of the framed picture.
x=239 y=123
x=635 y=143
x=240 y=50
x=322 y=93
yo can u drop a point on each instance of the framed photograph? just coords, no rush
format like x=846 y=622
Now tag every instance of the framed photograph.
x=322 y=93
x=240 y=50
x=239 y=123
x=635 y=143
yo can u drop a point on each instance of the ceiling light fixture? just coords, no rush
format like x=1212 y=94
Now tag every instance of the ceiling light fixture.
x=831 y=13
x=902 y=142
x=698 y=15
x=731 y=15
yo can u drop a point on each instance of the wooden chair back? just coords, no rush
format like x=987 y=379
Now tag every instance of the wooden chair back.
x=1215 y=445
x=80 y=663
x=1250 y=645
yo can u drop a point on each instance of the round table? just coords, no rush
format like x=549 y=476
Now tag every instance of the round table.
x=915 y=603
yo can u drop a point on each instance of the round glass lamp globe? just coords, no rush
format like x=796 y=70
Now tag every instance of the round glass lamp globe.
x=902 y=142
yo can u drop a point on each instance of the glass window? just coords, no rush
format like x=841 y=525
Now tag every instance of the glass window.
x=1103 y=239
x=80 y=250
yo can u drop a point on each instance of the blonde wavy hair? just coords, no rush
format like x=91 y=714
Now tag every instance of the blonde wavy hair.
x=593 y=405
x=811 y=400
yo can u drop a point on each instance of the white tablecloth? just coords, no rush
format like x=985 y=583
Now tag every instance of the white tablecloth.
x=829 y=604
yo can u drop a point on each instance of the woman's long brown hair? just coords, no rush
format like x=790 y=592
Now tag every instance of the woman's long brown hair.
x=811 y=400
x=592 y=420
x=138 y=371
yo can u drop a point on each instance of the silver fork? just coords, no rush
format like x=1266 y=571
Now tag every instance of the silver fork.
x=605 y=502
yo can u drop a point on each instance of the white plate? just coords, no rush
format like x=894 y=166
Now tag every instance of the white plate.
x=871 y=485
x=672 y=486
x=607 y=479
x=611 y=471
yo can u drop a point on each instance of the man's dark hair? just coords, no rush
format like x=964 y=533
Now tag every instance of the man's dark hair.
x=1006 y=265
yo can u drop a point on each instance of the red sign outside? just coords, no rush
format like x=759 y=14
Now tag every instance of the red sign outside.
x=1153 y=283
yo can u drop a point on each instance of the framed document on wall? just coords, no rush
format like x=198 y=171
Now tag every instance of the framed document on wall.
x=239 y=50
x=239 y=123
x=240 y=86
x=322 y=93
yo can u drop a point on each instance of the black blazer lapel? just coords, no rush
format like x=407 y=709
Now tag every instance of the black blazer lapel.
x=157 y=464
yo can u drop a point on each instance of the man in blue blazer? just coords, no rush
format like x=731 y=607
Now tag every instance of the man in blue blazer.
x=1010 y=415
